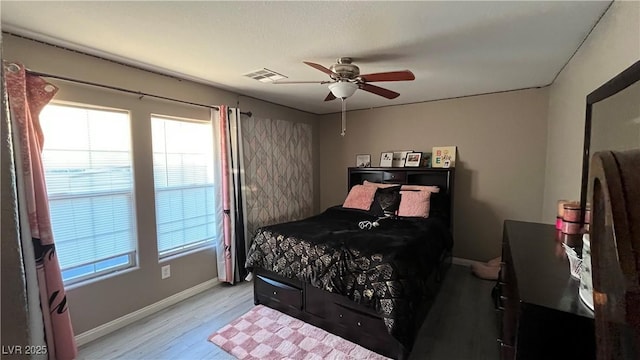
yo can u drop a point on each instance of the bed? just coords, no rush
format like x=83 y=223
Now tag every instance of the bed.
x=370 y=284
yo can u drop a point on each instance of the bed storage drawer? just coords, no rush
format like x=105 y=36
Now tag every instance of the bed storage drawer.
x=357 y=320
x=269 y=291
x=348 y=315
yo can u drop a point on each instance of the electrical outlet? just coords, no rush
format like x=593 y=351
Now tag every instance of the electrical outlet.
x=166 y=271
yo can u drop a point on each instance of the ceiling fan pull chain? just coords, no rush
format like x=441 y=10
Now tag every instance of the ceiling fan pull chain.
x=344 y=117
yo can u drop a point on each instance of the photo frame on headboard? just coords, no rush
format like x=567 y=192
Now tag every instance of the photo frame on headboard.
x=413 y=159
x=386 y=159
x=400 y=157
x=363 y=160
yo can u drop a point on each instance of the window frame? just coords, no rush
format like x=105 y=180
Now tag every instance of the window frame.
x=196 y=246
x=132 y=256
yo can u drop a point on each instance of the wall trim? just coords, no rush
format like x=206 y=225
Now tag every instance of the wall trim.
x=111 y=326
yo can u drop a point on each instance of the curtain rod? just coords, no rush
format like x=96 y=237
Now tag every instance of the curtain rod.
x=139 y=93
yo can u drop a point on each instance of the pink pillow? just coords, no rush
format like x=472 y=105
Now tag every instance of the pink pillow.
x=414 y=203
x=377 y=185
x=360 y=197
x=433 y=189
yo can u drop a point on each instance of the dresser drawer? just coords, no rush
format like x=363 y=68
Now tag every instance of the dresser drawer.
x=269 y=291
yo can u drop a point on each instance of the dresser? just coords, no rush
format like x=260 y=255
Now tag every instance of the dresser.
x=539 y=311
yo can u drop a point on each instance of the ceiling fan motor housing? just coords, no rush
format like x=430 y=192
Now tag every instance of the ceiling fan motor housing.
x=344 y=69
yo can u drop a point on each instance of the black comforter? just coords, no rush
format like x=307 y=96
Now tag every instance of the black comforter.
x=384 y=268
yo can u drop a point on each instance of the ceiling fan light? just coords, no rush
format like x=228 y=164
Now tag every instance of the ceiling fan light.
x=343 y=89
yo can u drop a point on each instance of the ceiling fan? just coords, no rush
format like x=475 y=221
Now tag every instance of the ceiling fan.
x=346 y=79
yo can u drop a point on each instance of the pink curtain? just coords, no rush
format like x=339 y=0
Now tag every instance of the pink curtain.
x=28 y=95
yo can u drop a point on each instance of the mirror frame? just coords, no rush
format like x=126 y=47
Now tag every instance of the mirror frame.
x=620 y=82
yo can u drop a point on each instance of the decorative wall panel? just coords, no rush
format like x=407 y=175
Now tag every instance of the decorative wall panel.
x=278 y=171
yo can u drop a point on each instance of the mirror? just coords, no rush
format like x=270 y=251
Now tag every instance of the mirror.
x=612 y=121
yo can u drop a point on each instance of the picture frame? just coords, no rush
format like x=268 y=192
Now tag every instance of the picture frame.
x=443 y=156
x=413 y=159
x=363 y=160
x=386 y=159
x=426 y=160
x=399 y=158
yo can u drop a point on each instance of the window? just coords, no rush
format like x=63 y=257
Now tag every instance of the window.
x=184 y=188
x=87 y=162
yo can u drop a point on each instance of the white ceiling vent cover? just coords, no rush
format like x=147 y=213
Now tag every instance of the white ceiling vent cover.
x=265 y=75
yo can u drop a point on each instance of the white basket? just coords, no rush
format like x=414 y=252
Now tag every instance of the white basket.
x=575 y=262
x=586 y=285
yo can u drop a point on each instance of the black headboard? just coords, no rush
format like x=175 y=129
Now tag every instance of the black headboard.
x=443 y=178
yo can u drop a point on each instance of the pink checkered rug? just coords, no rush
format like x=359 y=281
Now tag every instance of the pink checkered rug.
x=264 y=333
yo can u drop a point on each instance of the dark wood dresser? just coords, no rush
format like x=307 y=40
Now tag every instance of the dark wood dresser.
x=540 y=313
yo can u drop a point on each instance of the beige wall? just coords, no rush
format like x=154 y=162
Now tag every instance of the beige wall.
x=101 y=301
x=613 y=45
x=501 y=141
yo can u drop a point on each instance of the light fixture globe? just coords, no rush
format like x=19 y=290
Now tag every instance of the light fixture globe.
x=343 y=89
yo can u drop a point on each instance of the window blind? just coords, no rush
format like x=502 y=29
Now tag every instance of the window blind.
x=184 y=186
x=88 y=170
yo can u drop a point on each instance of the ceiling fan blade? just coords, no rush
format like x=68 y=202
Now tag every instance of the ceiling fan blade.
x=319 y=67
x=300 y=82
x=330 y=97
x=379 y=91
x=404 y=75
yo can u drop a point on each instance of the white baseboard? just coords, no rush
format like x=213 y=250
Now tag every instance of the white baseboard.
x=461 y=261
x=125 y=320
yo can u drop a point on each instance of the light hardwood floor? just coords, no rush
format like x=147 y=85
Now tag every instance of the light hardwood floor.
x=461 y=325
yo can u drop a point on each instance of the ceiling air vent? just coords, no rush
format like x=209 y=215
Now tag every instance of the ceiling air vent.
x=265 y=75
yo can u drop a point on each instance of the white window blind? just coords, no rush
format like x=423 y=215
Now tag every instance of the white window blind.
x=88 y=170
x=184 y=187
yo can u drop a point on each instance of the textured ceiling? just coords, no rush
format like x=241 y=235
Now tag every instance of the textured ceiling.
x=453 y=48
